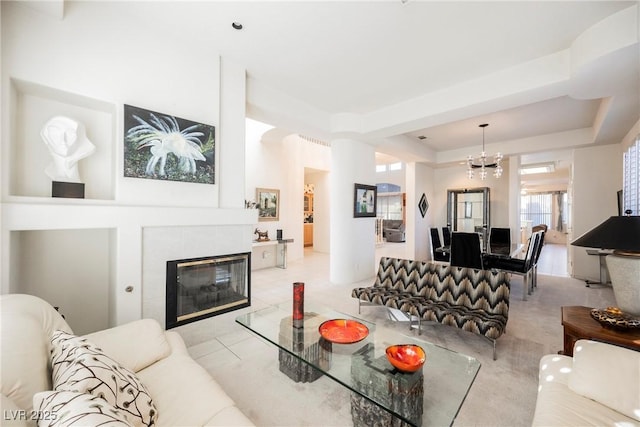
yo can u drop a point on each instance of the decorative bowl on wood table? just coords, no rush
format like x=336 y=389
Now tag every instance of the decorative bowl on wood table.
x=406 y=357
x=613 y=317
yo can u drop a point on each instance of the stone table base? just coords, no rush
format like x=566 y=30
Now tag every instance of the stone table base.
x=304 y=344
x=378 y=379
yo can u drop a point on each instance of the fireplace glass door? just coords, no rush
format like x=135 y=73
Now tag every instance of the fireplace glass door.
x=204 y=287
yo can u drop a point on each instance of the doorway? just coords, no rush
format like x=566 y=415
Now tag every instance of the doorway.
x=316 y=210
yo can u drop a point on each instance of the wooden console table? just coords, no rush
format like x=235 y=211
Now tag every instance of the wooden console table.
x=578 y=324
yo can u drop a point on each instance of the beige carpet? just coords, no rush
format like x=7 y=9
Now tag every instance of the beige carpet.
x=503 y=394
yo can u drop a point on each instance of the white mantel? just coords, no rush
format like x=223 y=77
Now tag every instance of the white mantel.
x=123 y=246
x=33 y=214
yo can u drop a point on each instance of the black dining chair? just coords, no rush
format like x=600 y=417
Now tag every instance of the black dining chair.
x=534 y=261
x=446 y=236
x=466 y=250
x=500 y=241
x=439 y=253
x=519 y=266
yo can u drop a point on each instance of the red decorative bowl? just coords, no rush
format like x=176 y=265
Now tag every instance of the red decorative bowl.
x=343 y=331
x=406 y=357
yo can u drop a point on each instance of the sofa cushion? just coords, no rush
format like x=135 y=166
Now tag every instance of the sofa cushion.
x=135 y=345
x=557 y=405
x=81 y=366
x=607 y=374
x=12 y=414
x=26 y=325
x=70 y=409
x=199 y=392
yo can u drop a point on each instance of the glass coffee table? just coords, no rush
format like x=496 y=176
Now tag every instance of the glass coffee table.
x=431 y=396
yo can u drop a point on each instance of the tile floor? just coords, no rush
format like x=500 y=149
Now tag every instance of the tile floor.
x=223 y=341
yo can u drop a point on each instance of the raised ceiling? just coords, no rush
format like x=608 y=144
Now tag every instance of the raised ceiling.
x=545 y=75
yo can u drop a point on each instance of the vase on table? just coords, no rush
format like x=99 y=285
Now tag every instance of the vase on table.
x=298 y=304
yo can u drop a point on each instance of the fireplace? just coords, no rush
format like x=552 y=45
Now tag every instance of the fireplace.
x=198 y=288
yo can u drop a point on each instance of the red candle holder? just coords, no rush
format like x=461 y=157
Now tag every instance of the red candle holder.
x=298 y=304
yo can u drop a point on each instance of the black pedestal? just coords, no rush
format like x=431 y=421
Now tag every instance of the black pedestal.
x=71 y=190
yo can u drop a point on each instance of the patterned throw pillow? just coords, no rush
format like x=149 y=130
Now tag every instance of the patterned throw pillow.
x=78 y=365
x=70 y=409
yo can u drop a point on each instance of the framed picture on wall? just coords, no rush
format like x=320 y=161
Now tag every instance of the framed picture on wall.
x=365 y=199
x=423 y=205
x=268 y=204
x=165 y=147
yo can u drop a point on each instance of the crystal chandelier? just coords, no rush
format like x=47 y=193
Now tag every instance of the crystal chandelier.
x=481 y=162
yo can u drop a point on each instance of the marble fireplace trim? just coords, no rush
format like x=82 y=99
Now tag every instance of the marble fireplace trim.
x=161 y=244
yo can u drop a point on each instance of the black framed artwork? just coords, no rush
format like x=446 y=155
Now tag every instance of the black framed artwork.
x=166 y=147
x=423 y=205
x=364 y=201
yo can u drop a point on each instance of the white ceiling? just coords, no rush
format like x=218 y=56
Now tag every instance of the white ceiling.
x=544 y=74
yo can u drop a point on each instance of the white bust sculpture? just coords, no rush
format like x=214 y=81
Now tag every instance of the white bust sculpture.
x=68 y=143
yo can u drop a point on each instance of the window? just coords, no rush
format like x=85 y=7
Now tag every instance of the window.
x=389 y=201
x=631 y=179
x=389 y=206
x=545 y=208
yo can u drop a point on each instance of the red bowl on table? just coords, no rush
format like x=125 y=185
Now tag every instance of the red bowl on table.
x=343 y=331
x=406 y=357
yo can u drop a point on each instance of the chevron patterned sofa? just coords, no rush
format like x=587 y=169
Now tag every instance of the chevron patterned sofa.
x=466 y=298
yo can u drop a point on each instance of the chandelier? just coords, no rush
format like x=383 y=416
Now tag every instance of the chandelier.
x=481 y=162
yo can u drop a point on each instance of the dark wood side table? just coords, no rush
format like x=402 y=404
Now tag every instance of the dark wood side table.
x=578 y=324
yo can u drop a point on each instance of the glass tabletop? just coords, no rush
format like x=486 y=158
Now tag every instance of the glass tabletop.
x=431 y=396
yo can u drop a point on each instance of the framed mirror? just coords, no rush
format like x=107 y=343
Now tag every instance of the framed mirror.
x=468 y=210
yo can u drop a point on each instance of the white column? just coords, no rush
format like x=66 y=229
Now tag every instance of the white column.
x=514 y=198
x=352 y=240
x=230 y=150
x=419 y=180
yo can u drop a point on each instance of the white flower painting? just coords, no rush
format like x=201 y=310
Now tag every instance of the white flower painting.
x=160 y=146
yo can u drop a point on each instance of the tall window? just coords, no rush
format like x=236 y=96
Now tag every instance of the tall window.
x=545 y=208
x=389 y=201
x=631 y=179
x=389 y=206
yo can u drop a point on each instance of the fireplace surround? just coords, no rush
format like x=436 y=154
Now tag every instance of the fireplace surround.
x=198 y=288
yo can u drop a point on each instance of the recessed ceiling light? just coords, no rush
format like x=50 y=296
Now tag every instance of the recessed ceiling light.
x=236 y=25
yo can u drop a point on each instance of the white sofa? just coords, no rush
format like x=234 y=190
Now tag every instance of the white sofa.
x=598 y=386
x=183 y=392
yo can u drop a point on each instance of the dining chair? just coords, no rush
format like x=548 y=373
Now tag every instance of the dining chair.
x=446 y=236
x=466 y=250
x=439 y=252
x=520 y=266
x=500 y=241
x=536 y=257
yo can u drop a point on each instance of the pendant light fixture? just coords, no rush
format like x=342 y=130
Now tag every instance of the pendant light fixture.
x=481 y=162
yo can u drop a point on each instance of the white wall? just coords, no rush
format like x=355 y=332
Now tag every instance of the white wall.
x=278 y=160
x=597 y=176
x=455 y=177
x=74 y=56
x=73 y=68
x=419 y=181
x=81 y=273
x=352 y=254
